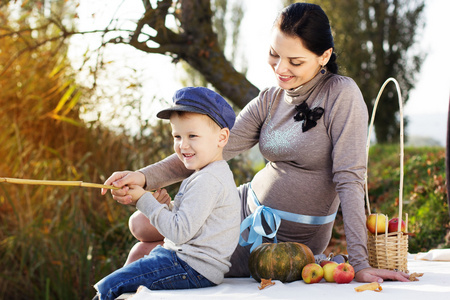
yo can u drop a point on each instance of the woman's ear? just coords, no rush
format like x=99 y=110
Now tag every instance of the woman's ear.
x=325 y=57
x=224 y=134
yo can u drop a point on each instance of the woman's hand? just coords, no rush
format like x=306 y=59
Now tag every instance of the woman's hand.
x=379 y=275
x=123 y=180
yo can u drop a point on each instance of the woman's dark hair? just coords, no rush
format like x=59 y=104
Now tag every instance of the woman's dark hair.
x=310 y=23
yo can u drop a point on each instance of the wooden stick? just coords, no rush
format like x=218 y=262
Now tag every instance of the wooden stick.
x=57 y=183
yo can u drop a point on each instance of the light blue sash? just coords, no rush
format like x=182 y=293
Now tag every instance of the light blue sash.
x=273 y=219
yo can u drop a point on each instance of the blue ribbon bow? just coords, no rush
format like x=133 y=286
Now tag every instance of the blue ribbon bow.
x=273 y=219
x=256 y=228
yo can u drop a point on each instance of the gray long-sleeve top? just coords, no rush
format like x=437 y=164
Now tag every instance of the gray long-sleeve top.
x=203 y=225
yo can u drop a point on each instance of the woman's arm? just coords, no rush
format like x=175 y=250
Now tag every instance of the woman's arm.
x=348 y=118
x=245 y=133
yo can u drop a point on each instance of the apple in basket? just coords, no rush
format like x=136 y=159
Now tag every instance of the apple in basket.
x=343 y=273
x=312 y=273
x=376 y=223
x=393 y=225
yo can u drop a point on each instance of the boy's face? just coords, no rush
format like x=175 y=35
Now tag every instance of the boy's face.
x=198 y=141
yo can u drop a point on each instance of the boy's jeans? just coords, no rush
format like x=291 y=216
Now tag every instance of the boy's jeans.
x=160 y=270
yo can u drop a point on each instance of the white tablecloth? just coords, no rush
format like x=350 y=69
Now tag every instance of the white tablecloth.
x=433 y=285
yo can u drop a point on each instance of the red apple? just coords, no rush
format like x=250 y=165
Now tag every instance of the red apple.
x=393 y=225
x=343 y=273
x=312 y=273
x=379 y=220
x=328 y=270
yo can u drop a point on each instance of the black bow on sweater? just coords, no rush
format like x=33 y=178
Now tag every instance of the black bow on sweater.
x=308 y=116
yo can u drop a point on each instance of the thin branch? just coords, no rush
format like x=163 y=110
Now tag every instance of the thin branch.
x=12 y=32
x=65 y=34
x=56 y=183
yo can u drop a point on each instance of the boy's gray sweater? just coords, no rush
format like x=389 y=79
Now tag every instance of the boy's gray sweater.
x=203 y=225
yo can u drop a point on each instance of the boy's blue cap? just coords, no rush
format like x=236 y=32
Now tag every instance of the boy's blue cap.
x=203 y=101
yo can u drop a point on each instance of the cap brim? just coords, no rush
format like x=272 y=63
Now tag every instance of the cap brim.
x=165 y=113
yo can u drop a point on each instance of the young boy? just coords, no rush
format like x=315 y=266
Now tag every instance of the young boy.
x=201 y=230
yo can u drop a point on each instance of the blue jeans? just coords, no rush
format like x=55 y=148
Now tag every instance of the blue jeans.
x=160 y=270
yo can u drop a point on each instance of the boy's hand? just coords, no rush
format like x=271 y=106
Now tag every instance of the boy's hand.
x=136 y=192
x=162 y=196
x=123 y=180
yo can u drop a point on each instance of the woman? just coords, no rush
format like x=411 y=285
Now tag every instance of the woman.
x=312 y=130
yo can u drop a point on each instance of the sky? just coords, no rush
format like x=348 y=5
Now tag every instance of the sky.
x=426 y=108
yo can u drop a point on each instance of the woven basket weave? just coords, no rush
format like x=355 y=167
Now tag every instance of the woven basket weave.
x=389 y=250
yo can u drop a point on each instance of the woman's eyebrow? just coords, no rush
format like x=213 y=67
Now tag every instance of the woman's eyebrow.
x=297 y=57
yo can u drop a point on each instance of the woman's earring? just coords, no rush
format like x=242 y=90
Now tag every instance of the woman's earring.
x=323 y=70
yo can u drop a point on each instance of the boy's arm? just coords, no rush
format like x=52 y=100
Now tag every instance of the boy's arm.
x=165 y=172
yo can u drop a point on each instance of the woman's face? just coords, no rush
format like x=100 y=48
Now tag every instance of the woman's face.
x=293 y=64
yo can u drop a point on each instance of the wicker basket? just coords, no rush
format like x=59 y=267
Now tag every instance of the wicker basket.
x=389 y=250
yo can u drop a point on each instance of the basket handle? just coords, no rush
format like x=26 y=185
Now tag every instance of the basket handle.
x=400 y=103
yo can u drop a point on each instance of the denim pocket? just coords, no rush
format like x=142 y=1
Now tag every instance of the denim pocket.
x=172 y=282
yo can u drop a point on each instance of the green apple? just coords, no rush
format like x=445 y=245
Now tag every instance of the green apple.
x=312 y=273
x=328 y=270
x=343 y=273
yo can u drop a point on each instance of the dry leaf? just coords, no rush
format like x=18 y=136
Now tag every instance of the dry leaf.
x=373 y=286
x=266 y=283
x=413 y=276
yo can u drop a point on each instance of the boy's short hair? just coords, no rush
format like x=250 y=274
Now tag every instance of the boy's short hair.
x=203 y=101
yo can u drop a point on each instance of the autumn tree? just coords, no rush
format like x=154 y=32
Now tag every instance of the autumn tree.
x=226 y=21
x=193 y=41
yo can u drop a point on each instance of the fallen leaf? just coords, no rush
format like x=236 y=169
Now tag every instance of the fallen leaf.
x=413 y=276
x=265 y=283
x=373 y=286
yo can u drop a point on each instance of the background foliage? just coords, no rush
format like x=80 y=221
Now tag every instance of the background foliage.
x=54 y=243
x=424 y=195
x=424 y=192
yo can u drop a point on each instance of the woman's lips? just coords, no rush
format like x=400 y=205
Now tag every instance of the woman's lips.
x=284 y=78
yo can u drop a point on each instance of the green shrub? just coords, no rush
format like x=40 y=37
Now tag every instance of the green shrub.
x=424 y=192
